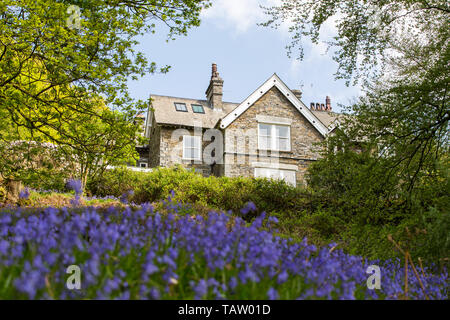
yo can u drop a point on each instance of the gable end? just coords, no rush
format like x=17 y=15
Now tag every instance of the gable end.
x=274 y=81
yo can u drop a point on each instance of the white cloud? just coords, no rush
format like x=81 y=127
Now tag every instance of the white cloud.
x=240 y=15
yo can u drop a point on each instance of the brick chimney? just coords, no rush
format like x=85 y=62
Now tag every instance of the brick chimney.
x=328 y=103
x=297 y=93
x=214 y=93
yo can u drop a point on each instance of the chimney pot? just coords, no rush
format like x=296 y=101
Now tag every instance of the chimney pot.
x=214 y=72
x=322 y=106
x=317 y=106
x=312 y=105
x=328 y=103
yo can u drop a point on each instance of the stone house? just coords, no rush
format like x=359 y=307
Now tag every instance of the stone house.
x=272 y=133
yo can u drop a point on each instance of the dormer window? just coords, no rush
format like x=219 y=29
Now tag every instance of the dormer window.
x=198 y=108
x=181 y=107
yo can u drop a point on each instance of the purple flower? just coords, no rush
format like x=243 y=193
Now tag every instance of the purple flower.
x=233 y=283
x=249 y=207
x=200 y=289
x=24 y=194
x=272 y=294
x=154 y=294
x=282 y=277
x=75 y=185
x=121 y=250
x=124 y=198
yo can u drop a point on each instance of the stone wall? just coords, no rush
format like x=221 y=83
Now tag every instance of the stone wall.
x=154 y=145
x=171 y=149
x=241 y=148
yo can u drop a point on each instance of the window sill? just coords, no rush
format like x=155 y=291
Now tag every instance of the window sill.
x=273 y=150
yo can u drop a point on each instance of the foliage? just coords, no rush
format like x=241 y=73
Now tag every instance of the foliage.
x=64 y=76
x=354 y=187
x=385 y=165
x=39 y=165
x=2 y=193
x=190 y=187
x=54 y=59
x=143 y=254
x=367 y=31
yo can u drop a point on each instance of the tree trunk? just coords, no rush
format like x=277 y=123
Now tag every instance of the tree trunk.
x=12 y=190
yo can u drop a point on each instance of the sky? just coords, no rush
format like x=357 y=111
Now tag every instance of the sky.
x=246 y=55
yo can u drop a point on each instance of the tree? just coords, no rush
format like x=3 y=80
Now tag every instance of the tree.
x=55 y=56
x=102 y=144
x=400 y=50
x=367 y=30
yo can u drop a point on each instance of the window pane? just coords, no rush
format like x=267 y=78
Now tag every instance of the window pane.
x=282 y=131
x=187 y=142
x=264 y=129
x=283 y=144
x=198 y=108
x=289 y=177
x=180 y=107
x=197 y=154
x=264 y=142
x=196 y=142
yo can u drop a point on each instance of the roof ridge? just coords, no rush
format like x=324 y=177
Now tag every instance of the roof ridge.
x=204 y=100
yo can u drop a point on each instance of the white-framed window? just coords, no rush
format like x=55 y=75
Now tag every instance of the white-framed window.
x=143 y=165
x=274 y=137
x=192 y=148
x=270 y=173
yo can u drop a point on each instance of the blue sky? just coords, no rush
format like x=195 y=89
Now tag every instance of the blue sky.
x=246 y=55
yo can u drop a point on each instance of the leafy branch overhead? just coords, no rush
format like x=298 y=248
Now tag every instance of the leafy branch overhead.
x=366 y=30
x=65 y=67
x=49 y=66
x=399 y=51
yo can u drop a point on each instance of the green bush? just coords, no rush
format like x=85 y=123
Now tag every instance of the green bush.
x=360 y=225
x=190 y=187
x=2 y=194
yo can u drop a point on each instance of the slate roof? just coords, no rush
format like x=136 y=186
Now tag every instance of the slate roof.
x=165 y=112
x=327 y=118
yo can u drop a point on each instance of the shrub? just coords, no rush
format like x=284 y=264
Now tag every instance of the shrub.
x=190 y=187
x=2 y=193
